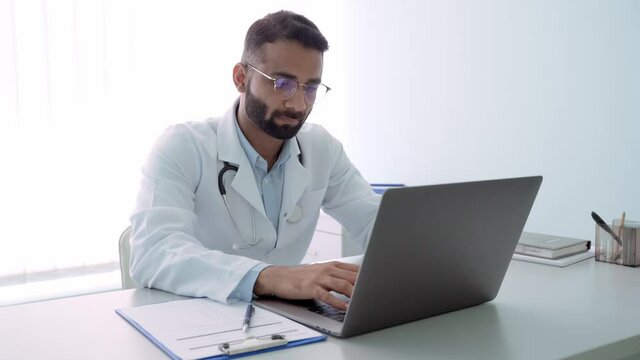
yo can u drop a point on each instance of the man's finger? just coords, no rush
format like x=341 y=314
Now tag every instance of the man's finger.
x=346 y=266
x=331 y=300
x=345 y=275
x=341 y=286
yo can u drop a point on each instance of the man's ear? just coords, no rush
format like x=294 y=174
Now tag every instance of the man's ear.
x=240 y=77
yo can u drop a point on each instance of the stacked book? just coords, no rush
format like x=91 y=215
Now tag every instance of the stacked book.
x=551 y=250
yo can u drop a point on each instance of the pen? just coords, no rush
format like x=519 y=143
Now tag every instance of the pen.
x=621 y=225
x=605 y=227
x=247 y=317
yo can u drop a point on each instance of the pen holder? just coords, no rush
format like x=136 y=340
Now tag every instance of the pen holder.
x=608 y=249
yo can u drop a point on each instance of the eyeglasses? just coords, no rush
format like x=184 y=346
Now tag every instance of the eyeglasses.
x=287 y=87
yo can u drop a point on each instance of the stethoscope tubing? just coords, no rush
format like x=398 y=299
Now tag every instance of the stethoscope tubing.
x=223 y=192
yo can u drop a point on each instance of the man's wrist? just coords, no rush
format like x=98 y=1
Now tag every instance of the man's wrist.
x=262 y=286
x=244 y=289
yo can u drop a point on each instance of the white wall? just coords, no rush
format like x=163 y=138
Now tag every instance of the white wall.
x=443 y=91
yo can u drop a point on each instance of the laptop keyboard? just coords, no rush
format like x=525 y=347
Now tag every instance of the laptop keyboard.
x=328 y=311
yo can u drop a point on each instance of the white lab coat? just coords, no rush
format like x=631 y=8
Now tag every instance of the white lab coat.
x=182 y=234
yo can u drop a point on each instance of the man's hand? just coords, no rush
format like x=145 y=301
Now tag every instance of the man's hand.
x=313 y=281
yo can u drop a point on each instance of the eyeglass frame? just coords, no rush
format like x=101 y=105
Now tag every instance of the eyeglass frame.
x=294 y=80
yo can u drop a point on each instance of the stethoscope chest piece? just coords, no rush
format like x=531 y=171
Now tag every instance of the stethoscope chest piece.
x=296 y=215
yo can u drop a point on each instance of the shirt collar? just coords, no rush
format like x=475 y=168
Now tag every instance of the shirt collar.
x=254 y=157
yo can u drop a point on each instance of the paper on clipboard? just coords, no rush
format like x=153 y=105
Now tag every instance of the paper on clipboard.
x=195 y=328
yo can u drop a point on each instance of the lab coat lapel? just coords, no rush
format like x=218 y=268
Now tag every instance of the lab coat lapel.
x=230 y=150
x=296 y=180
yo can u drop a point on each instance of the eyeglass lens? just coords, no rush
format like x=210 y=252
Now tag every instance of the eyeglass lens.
x=288 y=88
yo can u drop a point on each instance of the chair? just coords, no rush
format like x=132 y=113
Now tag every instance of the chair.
x=125 y=250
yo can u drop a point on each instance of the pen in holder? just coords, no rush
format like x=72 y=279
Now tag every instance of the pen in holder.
x=608 y=249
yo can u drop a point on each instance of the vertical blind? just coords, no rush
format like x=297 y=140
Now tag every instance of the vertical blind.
x=86 y=86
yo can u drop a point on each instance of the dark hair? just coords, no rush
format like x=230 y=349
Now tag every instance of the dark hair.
x=281 y=25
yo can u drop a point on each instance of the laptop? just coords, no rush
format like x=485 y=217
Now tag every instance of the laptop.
x=433 y=249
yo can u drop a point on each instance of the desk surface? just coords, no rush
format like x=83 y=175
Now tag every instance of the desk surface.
x=589 y=310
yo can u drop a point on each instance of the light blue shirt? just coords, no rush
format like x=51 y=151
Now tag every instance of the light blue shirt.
x=270 y=185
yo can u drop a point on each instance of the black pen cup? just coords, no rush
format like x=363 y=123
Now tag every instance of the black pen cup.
x=609 y=250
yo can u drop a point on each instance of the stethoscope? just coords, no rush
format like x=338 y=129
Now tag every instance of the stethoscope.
x=294 y=218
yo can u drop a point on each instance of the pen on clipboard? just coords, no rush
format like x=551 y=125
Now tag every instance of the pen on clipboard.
x=247 y=317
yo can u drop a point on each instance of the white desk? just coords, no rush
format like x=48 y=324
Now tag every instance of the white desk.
x=588 y=310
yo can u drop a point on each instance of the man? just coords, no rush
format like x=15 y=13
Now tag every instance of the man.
x=227 y=206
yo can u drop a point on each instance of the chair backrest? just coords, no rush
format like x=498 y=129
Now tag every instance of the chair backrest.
x=125 y=250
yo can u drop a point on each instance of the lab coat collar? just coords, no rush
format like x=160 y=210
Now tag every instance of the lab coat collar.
x=296 y=180
x=230 y=150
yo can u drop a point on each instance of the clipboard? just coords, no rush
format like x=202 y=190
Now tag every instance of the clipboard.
x=253 y=344
x=205 y=329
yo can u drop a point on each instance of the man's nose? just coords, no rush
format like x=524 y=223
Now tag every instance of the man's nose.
x=297 y=102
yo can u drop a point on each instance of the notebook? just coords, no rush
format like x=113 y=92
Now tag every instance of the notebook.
x=433 y=249
x=550 y=246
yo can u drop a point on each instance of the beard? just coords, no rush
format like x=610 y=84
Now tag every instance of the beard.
x=256 y=110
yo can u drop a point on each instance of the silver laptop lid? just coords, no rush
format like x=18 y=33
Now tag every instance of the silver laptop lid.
x=438 y=248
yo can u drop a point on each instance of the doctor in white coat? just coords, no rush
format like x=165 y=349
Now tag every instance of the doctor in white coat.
x=275 y=173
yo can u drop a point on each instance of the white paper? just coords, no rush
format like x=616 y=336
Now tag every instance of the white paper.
x=194 y=328
x=561 y=262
